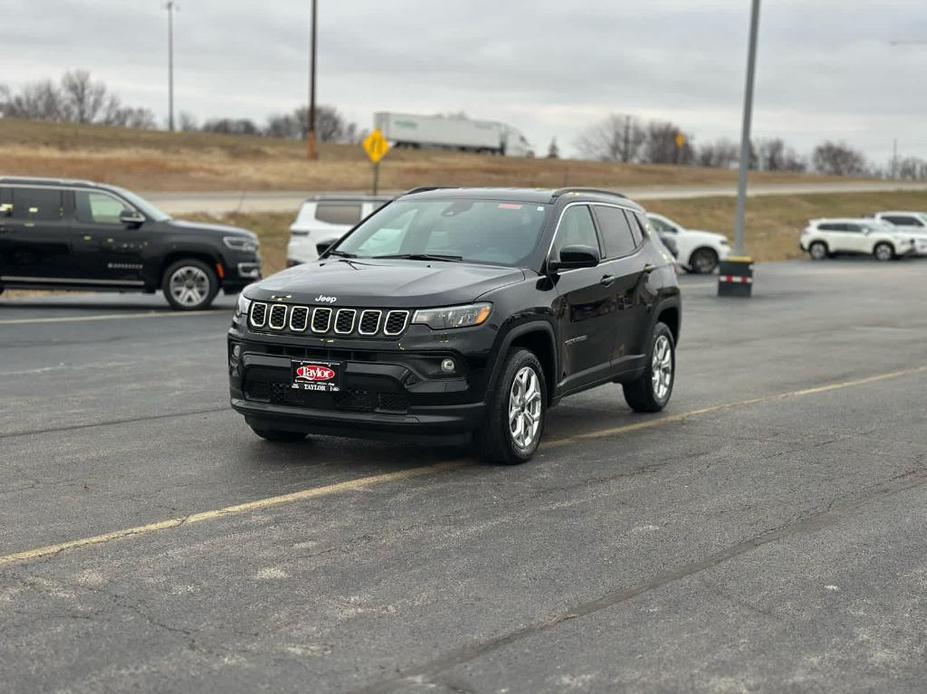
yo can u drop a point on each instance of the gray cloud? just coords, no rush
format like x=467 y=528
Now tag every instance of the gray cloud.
x=826 y=68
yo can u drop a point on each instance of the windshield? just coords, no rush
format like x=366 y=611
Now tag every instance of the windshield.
x=487 y=232
x=143 y=205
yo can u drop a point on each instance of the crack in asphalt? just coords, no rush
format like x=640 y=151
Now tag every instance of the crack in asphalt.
x=113 y=422
x=810 y=523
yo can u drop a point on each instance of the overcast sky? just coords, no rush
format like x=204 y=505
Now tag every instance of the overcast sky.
x=826 y=68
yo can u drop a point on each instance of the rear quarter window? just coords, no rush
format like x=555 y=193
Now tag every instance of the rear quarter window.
x=40 y=204
x=343 y=213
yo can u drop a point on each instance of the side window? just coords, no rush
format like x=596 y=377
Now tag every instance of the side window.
x=855 y=228
x=662 y=226
x=576 y=229
x=97 y=208
x=830 y=227
x=637 y=232
x=903 y=221
x=37 y=204
x=346 y=213
x=616 y=232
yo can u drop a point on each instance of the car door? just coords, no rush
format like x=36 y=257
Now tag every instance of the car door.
x=585 y=305
x=856 y=239
x=111 y=251
x=623 y=270
x=35 y=243
x=836 y=237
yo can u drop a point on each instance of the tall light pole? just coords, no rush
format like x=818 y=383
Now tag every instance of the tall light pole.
x=310 y=131
x=170 y=6
x=745 y=133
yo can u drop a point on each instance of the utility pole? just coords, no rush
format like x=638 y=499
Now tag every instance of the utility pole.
x=311 y=143
x=170 y=6
x=894 y=158
x=627 y=139
x=745 y=133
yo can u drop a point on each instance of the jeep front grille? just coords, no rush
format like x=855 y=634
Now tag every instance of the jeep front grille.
x=324 y=320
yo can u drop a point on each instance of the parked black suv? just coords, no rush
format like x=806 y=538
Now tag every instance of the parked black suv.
x=458 y=311
x=57 y=234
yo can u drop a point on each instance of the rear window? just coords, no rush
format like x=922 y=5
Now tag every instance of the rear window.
x=40 y=204
x=344 y=213
x=616 y=231
x=905 y=221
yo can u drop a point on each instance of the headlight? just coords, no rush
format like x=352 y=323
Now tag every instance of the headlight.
x=240 y=243
x=244 y=305
x=453 y=316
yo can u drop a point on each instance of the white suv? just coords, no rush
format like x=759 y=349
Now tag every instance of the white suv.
x=324 y=219
x=913 y=224
x=698 y=251
x=823 y=238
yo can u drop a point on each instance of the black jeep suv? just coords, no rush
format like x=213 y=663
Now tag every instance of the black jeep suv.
x=458 y=312
x=57 y=234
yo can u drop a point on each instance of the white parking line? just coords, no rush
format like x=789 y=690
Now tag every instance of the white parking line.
x=111 y=316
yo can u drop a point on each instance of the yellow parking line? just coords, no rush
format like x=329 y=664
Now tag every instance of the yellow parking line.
x=423 y=471
x=110 y=316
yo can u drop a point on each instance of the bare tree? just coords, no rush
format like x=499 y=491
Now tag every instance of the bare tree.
x=186 y=122
x=84 y=98
x=37 y=101
x=616 y=138
x=838 y=159
x=774 y=155
x=553 y=151
x=231 y=126
x=662 y=145
x=330 y=125
x=912 y=168
x=721 y=154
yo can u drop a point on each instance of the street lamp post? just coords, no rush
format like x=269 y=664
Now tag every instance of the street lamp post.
x=735 y=275
x=170 y=6
x=311 y=144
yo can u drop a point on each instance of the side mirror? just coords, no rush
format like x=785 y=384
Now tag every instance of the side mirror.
x=573 y=257
x=131 y=218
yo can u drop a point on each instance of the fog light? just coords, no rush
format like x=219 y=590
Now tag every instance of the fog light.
x=448 y=366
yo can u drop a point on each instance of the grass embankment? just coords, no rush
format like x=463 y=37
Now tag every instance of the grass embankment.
x=160 y=161
x=773 y=222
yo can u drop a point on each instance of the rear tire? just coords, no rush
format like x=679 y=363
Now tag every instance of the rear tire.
x=278 y=436
x=883 y=251
x=703 y=261
x=651 y=391
x=514 y=420
x=189 y=285
x=818 y=250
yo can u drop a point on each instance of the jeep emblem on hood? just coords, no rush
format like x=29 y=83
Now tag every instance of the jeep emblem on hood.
x=322 y=299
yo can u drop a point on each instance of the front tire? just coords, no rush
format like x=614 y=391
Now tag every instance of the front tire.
x=651 y=391
x=818 y=250
x=703 y=261
x=278 y=436
x=514 y=420
x=189 y=285
x=883 y=251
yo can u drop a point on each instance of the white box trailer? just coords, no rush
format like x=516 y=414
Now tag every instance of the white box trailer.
x=465 y=134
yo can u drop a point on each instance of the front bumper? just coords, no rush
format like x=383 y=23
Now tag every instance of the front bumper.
x=389 y=388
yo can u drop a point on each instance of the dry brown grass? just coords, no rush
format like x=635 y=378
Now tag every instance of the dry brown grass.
x=773 y=222
x=159 y=161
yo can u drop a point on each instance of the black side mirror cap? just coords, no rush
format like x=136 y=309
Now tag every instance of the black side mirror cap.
x=573 y=257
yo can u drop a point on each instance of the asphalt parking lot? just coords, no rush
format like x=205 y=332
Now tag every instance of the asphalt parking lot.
x=767 y=532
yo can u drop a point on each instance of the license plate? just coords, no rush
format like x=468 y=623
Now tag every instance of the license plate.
x=317 y=375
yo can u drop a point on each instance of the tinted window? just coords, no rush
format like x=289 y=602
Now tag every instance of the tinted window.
x=616 y=232
x=637 y=229
x=903 y=221
x=576 y=229
x=97 y=208
x=855 y=228
x=37 y=204
x=831 y=227
x=347 y=213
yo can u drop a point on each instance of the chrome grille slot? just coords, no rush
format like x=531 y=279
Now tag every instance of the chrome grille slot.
x=344 y=321
x=299 y=318
x=258 y=314
x=321 y=319
x=395 y=322
x=277 y=318
x=369 y=322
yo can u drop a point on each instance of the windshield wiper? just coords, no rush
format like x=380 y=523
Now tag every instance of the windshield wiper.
x=421 y=256
x=341 y=254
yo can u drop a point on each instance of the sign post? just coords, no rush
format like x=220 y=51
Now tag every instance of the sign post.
x=376 y=146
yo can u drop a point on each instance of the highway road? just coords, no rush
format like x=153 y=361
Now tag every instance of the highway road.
x=289 y=201
x=766 y=533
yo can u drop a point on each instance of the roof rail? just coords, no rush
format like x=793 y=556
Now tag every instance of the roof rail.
x=562 y=191
x=424 y=189
x=46 y=179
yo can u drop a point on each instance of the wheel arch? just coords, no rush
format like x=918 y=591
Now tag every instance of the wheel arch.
x=703 y=247
x=538 y=337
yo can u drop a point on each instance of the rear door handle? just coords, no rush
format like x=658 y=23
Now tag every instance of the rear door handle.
x=607 y=280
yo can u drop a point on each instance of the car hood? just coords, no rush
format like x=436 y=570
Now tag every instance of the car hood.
x=210 y=229
x=384 y=283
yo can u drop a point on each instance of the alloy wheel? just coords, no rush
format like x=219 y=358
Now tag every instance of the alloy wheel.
x=662 y=368
x=525 y=407
x=189 y=285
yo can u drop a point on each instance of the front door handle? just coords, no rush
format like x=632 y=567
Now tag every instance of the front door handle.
x=648 y=268
x=607 y=280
